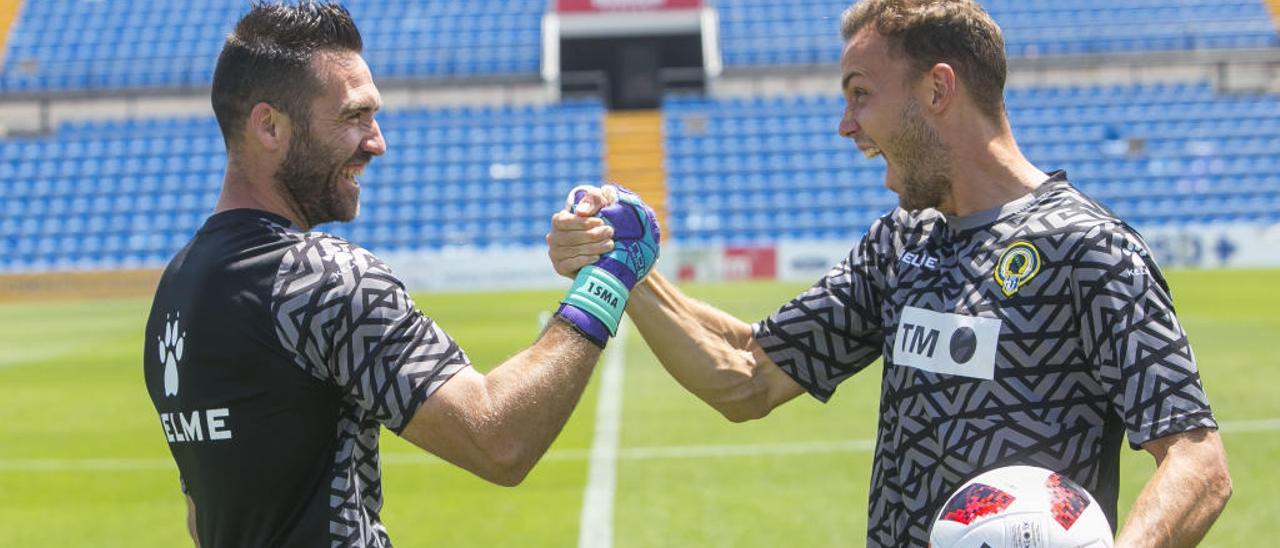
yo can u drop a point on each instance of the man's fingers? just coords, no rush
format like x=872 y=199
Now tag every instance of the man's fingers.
x=587 y=245
x=572 y=244
x=568 y=229
x=601 y=236
x=586 y=200
x=568 y=265
x=578 y=238
x=589 y=205
x=563 y=220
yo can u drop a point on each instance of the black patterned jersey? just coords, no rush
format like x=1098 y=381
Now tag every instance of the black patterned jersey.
x=1040 y=333
x=273 y=356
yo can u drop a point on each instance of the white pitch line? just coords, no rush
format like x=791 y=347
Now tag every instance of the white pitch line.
x=62 y=465
x=596 y=524
x=562 y=455
x=718 y=451
x=1259 y=425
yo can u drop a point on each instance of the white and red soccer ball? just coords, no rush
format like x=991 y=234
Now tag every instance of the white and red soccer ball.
x=1023 y=507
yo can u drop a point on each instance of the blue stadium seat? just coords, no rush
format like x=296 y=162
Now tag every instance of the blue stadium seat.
x=69 y=46
x=1203 y=151
x=773 y=32
x=91 y=196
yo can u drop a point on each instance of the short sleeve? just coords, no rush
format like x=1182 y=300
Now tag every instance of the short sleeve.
x=832 y=330
x=349 y=321
x=1131 y=335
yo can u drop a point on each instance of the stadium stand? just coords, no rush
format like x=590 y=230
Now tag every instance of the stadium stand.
x=768 y=33
x=79 y=46
x=129 y=194
x=1156 y=154
x=634 y=157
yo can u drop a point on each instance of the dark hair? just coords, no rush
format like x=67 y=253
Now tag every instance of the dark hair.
x=957 y=32
x=267 y=58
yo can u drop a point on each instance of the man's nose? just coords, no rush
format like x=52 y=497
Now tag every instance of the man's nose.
x=848 y=126
x=375 y=144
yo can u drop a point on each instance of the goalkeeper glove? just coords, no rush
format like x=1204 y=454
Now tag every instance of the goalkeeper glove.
x=598 y=297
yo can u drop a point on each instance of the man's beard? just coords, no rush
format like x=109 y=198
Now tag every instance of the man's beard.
x=923 y=159
x=311 y=178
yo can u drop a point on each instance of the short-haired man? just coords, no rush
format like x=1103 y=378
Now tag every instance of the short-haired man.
x=1019 y=320
x=274 y=354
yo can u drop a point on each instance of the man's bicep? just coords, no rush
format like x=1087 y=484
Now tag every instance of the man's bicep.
x=355 y=326
x=1201 y=444
x=834 y=329
x=447 y=423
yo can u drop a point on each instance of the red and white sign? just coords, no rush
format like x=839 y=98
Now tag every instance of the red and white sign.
x=604 y=6
x=749 y=263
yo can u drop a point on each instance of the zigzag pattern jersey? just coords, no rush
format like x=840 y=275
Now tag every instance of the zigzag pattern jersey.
x=1038 y=333
x=273 y=356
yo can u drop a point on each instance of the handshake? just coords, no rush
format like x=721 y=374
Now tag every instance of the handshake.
x=606 y=239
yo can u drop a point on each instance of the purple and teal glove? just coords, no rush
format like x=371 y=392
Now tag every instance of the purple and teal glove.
x=596 y=301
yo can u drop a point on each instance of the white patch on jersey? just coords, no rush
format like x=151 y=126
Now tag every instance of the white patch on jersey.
x=171 y=344
x=922 y=260
x=949 y=344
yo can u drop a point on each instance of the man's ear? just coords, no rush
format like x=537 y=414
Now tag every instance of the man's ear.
x=941 y=87
x=269 y=127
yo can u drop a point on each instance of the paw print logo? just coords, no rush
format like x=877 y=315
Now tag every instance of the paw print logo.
x=171 y=353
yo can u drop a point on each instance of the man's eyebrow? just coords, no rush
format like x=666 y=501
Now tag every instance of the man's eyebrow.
x=850 y=76
x=360 y=107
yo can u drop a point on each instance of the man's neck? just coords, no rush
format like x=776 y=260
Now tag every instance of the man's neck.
x=241 y=190
x=989 y=173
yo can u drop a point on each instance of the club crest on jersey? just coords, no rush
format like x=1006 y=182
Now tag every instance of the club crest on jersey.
x=1017 y=265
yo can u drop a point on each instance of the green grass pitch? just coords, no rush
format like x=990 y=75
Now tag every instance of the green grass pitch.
x=83 y=461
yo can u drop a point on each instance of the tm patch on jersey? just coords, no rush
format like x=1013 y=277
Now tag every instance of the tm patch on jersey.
x=950 y=344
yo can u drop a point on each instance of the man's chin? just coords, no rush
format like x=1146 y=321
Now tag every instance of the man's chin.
x=916 y=205
x=352 y=214
x=348 y=208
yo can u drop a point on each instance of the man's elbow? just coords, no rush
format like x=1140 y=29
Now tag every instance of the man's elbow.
x=743 y=406
x=1220 y=475
x=508 y=465
x=743 y=412
x=744 y=400
x=1220 y=485
x=1211 y=463
x=507 y=477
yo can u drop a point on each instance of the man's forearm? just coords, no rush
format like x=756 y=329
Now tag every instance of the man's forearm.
x=532 y=394
x=499 y=425
x=706 y=350
x=1184 y=497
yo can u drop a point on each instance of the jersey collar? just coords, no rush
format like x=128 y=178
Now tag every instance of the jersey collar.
x=990 y=216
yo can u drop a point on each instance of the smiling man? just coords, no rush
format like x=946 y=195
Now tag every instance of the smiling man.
x=1019 y=321
x=274 y=354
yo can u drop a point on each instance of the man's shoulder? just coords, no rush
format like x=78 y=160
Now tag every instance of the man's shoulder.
x=1070 y=207
x=1068 y=213
x=1083 y=233
x=322 y=248
x=329 y=264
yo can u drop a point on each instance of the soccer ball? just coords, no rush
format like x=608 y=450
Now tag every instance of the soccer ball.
x=1023 y=507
